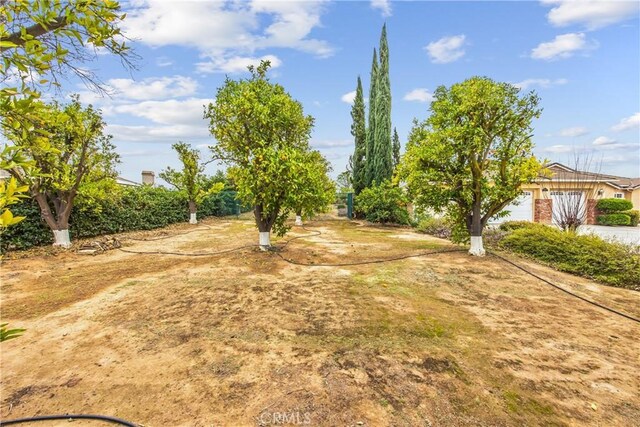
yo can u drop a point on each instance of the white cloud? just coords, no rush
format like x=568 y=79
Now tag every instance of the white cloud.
x=163 y=61
x=419 y=95
x=627 y=123
x=447 y=49
x=227 y=29
x=573 y=132
x=332 y=143
x=349 y=97
x=562 y=46
x=235 y=64
x=170 y=133
x=169 y=112
x=543 y=83
x=560 y=149
x=154 y=88
x=603 y=140
x=592 y=14
x=383 y=5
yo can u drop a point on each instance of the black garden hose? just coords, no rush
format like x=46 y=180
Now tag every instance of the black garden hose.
x=69 y=417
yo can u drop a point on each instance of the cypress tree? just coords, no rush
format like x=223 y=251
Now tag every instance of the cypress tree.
x=382 y=150
x=359 y=132
x=369 y=151
x=396 y=149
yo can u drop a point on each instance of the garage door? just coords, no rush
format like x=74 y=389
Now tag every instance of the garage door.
x=520 y=210
x=568 y=204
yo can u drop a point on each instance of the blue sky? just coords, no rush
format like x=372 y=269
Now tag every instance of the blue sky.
x=582 y=57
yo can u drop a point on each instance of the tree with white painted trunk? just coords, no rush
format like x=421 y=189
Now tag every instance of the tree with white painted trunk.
x=470 y=158
x=262 y=134
x=191 y=179
x=68 y=152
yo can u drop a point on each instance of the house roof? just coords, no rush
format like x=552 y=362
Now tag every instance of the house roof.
x=123 y=181
x=563 y=173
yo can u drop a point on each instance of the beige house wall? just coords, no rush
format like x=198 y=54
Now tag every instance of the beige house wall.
x=608 y=192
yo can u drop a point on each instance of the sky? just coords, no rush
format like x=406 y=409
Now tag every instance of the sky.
x=581 y=57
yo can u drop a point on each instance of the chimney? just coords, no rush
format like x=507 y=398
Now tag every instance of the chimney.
x=148 y=177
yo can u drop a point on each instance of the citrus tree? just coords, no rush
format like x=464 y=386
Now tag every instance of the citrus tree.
x=42 y=41
x=191 y=180
x=262 y=135
x=317 y=191
x=11 y=192
x=471 y=156
x=68 y=153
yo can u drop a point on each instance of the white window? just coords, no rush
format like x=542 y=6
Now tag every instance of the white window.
x=618 y=196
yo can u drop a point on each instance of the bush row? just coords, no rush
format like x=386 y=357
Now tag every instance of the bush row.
x=589 y=256
x=617 y=212
x=613 y=205
x=614 y=219
x=137 y=208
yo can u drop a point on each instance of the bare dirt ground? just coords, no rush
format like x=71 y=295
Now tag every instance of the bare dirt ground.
x=245 y=338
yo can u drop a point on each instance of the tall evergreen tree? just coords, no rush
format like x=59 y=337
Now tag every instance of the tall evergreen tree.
x=359 y=132
x=369 y=151
x=396 y=148
x=382 y=150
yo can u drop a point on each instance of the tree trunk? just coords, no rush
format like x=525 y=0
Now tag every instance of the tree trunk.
x=61 y=238
x=192 y=212
x=299 y=218
x=477 y=247
x=59 y=224
x=264 y=226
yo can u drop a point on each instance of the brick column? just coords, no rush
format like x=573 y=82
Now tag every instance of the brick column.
x=543 y=211
x=592 y=211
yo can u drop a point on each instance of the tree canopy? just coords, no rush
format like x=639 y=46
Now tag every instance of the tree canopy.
x=471 y=156
x=191 y=179
x=382 y=160
x=359 y=133
x=318 y=191
x=69 y=154
x=42 y=41
x=262 y=134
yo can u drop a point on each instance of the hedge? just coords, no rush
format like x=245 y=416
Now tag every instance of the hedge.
x=589 y=256
x=613 y=205
x=614 y=219
x=137 y=208
x=634 y=217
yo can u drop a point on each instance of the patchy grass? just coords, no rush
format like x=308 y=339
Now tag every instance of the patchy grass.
x=438 y=340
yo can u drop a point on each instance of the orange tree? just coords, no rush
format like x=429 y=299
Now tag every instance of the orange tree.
x=262 y=134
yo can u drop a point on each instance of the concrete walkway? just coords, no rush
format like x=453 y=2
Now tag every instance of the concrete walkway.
x=620 y=234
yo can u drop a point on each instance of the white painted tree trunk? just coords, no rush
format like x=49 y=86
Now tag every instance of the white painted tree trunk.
x=61 y=238
x=193 y=218
x=298 y=220
x=265 y=240
x=477 y=248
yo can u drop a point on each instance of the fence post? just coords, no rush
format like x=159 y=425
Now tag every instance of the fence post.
x=349 y=205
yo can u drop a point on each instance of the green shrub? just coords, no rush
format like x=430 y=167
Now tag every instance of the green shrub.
x=515 y=225
x=438 y=227
x=613 y=205
x=385 y=203
x=614 y=219
x=589 y=256
x=634 y=217
x=136 y=208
